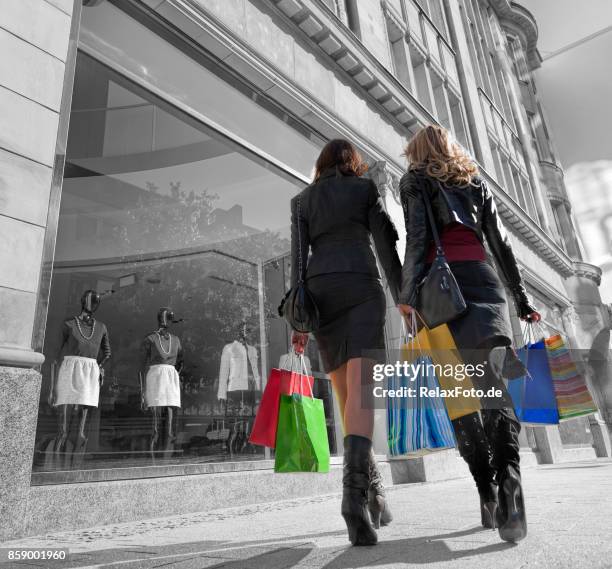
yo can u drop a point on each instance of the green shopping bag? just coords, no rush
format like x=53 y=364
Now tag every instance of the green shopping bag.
x=301 y=435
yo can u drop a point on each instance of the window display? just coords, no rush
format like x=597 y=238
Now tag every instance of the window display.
x=181 y=224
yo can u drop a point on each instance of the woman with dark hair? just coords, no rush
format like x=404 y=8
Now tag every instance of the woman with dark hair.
x=465 y=215
x=335 y=217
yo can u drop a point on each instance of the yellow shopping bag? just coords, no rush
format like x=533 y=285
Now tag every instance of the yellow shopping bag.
x=439 y=344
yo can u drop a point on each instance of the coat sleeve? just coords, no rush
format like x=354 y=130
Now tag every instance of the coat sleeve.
x=299 y=241
x=385 y=237
x=145 y=355
x=254 y=361
x=179 y=356
x=418 y=236
x=105 y=347
x=224 y=370
x=500 y=246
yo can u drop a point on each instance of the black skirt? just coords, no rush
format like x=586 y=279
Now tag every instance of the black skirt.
x=486 y=323
x=352 y=316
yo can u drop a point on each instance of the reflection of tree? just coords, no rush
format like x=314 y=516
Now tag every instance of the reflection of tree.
x=203 y=263
x=166 y=221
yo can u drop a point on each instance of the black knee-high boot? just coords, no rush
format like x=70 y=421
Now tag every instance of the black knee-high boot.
x=380 y=514
x=503 y=428
x=355 y=484
x=473 y=446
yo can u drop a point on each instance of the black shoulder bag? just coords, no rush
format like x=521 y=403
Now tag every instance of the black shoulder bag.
x=439 y=299
x=298 y=306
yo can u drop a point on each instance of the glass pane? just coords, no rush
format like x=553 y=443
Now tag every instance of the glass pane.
x=432 y=40
x=166 y=69
x=166 y=213
x=413 y=19
x=450 y=64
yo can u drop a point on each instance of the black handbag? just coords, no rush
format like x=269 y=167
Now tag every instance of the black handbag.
x=439 y=299
x=298 y=306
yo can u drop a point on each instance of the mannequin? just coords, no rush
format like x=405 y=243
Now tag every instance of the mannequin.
x=237 y=359
x=293 y=359
x=84 y=350
x=161 y=363
x=239 y=380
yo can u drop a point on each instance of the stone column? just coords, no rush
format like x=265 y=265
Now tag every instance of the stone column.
x=38 y=43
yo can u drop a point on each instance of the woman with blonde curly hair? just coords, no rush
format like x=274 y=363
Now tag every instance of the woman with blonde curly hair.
x=464 y=211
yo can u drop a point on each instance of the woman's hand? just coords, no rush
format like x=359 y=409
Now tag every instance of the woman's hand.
x=532 y=317
x=299 y=341
x=405 y=309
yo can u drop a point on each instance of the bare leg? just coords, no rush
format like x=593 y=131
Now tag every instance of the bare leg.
x=338 y=379
x=359 y=408
x=155 y=429
x=169 y=428
x=81 y=439
x=63 y=425
x=80 y=445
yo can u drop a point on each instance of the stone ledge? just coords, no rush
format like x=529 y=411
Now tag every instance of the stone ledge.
x=14 y=356
x=101 y=503
x=441 y=465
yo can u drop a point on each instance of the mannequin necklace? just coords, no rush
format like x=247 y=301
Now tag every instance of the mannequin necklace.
x=161 y=346
x=93 y=328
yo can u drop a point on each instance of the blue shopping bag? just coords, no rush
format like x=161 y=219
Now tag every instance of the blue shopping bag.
x=534 y=395
x=417 y=423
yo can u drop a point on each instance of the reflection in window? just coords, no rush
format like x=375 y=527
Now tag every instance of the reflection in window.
x=166 y=213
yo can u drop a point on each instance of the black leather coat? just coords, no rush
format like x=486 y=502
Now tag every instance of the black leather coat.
x=474 y=207
x=338 y=216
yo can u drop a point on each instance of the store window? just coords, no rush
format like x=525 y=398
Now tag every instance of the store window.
x=184 y=234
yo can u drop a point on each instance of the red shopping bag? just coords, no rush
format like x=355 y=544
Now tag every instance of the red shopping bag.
x=281 y=381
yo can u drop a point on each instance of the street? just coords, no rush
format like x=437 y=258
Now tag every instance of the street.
x=436 y=525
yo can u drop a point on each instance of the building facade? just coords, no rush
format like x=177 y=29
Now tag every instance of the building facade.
x=594 y=215
x=149 y=150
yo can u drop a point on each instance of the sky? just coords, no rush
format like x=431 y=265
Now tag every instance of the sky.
x=576 y=86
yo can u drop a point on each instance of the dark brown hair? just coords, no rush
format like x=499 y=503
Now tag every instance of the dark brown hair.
x=342 y=154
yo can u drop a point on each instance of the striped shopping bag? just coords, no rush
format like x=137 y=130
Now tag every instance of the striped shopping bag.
x=417 y=423
x=571 y=391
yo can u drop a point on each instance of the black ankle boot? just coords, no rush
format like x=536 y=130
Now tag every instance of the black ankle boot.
x=355 y=483
x=474 y=448
x=380 y=514
x=503 y=429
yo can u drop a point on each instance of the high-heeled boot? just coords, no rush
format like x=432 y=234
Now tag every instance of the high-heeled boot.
x=474 y=448
x=380 y=514
x=503 y=428
x=355 y=484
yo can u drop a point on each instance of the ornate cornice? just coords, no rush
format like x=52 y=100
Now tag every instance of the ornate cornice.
x=558 y=199
x=588 y=271
x=518 y=19
x=377 y=87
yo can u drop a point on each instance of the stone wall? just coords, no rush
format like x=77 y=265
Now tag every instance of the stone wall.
x=36 y=34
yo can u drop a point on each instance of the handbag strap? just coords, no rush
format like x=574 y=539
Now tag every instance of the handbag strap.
x=300 y=260
x=432 y=223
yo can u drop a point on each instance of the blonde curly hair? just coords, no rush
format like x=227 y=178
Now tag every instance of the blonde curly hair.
x=433 y=149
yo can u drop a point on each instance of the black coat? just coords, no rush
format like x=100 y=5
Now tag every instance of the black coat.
x=338 y=216
x=474 y=207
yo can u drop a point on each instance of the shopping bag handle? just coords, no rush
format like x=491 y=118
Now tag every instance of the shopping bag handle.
x=410 y=334
x=303 y=373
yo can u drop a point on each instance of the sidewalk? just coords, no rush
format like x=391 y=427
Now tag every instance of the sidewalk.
x=436 y=525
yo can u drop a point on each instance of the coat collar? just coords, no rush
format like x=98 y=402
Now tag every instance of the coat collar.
x=331 y=172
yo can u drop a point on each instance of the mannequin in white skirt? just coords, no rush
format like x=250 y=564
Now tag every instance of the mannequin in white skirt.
x=84 y=351
x=161 y=362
